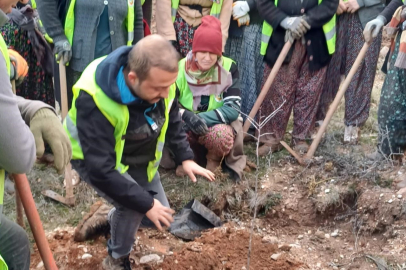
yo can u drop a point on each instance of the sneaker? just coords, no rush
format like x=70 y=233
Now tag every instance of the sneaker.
x=267 y=149
x=300 y=146
x=95 y=223
x=351 y=134
x=123 y=263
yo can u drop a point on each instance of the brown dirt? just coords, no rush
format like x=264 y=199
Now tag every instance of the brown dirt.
x=227 y=248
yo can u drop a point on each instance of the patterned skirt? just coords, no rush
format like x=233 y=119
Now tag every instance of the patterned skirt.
x=37 y=85
x=184 y=35
x=245 y=51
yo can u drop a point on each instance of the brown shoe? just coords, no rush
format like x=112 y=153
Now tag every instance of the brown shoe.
x=267 y=149
x=300 y=146
x=123 y=263
x=95 y=223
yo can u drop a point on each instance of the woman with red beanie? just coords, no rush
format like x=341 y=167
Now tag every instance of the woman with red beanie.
x=209 y=93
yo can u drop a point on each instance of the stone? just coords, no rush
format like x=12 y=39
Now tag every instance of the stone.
x=334 y=234
x=399 y=196
x=327 y=191
x=150 y=259
x=327 y=236
x=86 y=256
x=320 y=234
x=285 y=247
x=402 y=191
x=40 y=265
x=275 y=256
x=300 y=237
x=270 y=240
x=390 y=201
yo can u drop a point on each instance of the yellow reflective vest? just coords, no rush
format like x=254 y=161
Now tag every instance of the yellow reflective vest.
x=186 y=96
x=215 y=9
x=329 y=31
x=117 y=114
x=70 y=21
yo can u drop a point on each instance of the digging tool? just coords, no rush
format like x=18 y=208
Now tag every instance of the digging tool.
x=265 y=90
x=19 y=211
x=24 y=191
x=70 y=198
x=336 y=102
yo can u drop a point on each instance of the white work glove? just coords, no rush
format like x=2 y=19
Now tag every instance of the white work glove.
x=373 y=28
x=240 y=8
x=244 y=20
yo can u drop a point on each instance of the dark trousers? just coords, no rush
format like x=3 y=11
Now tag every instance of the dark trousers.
x=14 y=245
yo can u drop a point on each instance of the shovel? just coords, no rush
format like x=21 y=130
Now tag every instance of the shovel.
x=70 y=198
x=336 y=102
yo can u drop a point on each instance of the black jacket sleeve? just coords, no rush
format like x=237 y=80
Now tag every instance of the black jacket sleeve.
x=96 y=136
x=270 y=13
x=138 y=23
x=252 y=4
x=48 y=12
x=321 y=14
x=390 y=9
x=176 y=138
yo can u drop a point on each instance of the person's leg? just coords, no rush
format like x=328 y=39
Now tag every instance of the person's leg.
x=331 y=86
x=282 y=96
x=14 y=245
x=358 y=94
x=309 y=88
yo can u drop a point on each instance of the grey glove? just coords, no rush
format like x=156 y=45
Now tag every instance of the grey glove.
x=296 y=25
x=194 y=123
x=63 y=51
x=373 y=28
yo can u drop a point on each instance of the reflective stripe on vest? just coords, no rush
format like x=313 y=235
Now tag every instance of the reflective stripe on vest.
x=4 y=51
x=70 y=21
x=329 y=30
x=214 y=11
x=117 y=114
x=186 y=96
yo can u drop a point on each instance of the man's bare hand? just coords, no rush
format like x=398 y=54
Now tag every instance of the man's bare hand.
x=191 y=168
x=159 y=213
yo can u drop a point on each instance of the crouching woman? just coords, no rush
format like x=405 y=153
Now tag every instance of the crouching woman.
x=208 y=88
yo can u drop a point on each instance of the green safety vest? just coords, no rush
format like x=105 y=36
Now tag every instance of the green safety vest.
x=3 y=49
x=46 y=36
x=70 y=22
x=215 y=9
x=186 y=96
x=117 y=114
x=329 y=31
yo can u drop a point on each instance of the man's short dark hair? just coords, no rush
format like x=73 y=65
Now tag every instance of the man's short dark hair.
x=152 y=51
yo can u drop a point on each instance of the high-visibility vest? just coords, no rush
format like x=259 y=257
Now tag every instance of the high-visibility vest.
x=70 y=22
x=3 y=49
x=214 y=11
x=118 y=116
x=46 y=36
x=329 y=31
x=186 y=96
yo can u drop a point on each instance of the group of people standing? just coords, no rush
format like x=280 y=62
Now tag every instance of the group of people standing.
x=133 y=102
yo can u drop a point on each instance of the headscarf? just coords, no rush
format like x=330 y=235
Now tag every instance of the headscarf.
x=214 y=81
x=398 y=26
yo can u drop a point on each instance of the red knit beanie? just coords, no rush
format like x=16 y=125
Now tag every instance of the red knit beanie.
x=208 y=37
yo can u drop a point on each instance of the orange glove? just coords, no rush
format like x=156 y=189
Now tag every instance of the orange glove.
x=19 y=67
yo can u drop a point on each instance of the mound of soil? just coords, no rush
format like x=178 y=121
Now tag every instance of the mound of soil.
x=227 y=249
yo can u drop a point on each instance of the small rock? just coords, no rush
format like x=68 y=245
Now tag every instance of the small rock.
x=334 y=234
x=275 y=256
x=327 y=191
x=402 y=191
x=85 y=250
x=270 y=239
x=390 y=201
x=86 y=256
x=320 y=234
x=327 y=236
x=285 y=247
x=40 y=265
x=335 y=267
x=381 y=195
x=176 y=261
x=300 y=237
x=243 y=268
x=318 y=265
x=150 y=259
x=399 y=196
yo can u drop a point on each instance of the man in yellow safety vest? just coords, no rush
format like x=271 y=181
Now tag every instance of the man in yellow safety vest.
x=123 y=112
